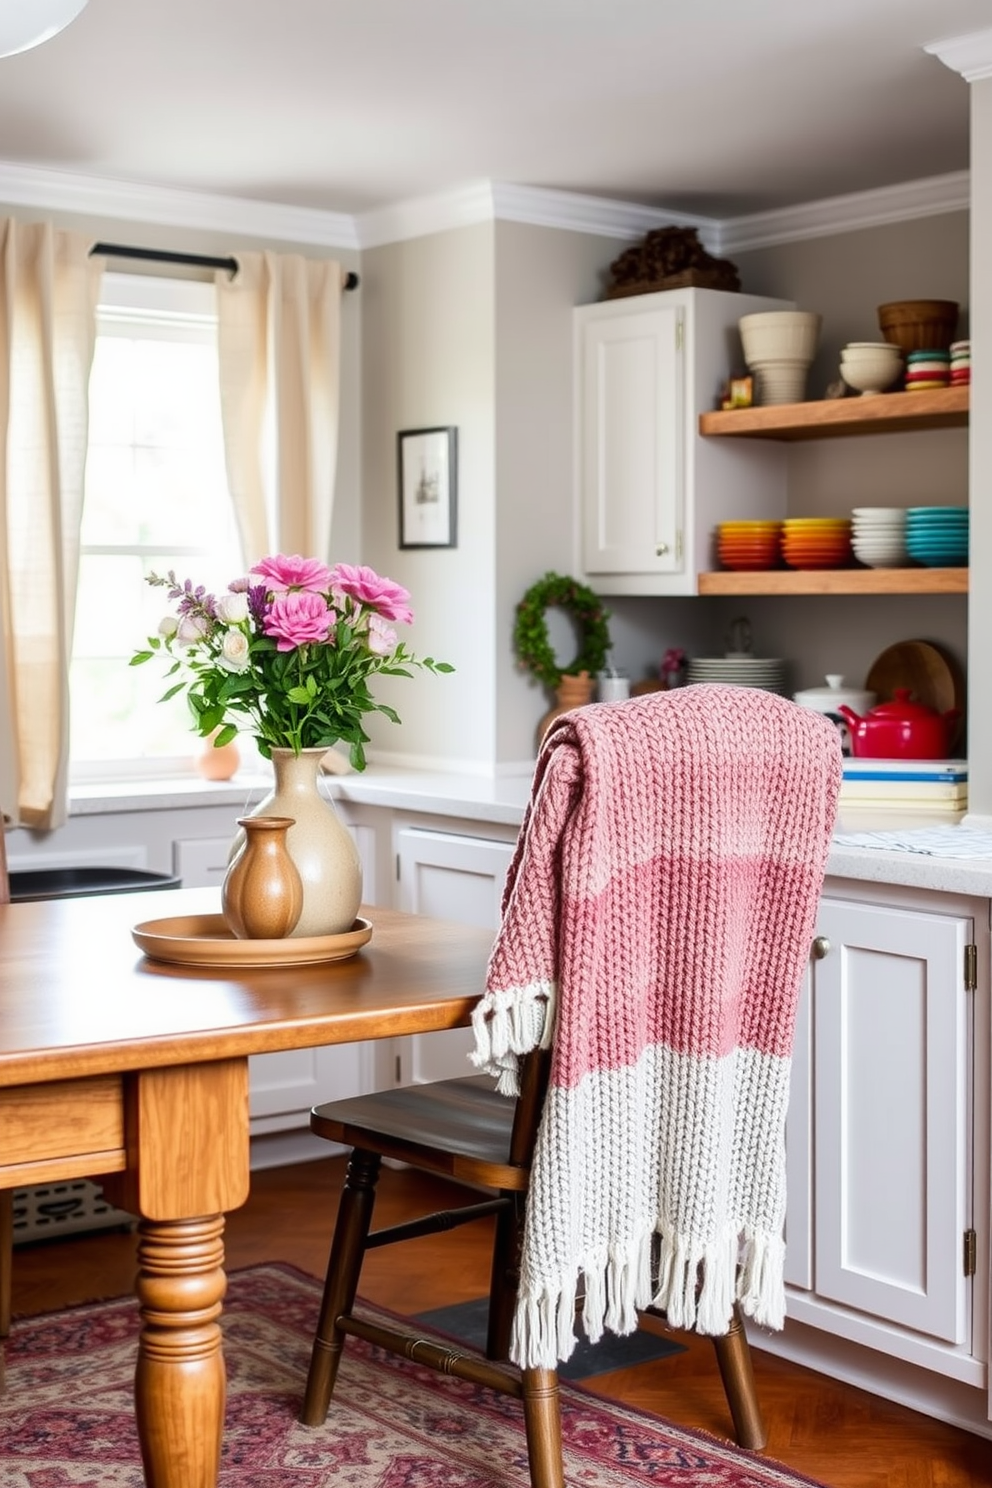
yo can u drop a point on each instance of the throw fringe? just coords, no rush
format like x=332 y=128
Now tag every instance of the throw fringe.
x=617 y=1286
x=508 y=1024
x=696 y=1282
x=761 y=1284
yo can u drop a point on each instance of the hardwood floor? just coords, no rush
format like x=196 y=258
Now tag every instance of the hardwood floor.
x=840 y=1436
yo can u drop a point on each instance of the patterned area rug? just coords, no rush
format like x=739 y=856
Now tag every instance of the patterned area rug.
x=66 y=1420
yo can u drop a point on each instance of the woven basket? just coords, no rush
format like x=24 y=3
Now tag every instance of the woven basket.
x=919 y=325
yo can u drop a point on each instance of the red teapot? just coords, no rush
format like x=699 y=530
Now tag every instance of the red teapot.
x=901 y=729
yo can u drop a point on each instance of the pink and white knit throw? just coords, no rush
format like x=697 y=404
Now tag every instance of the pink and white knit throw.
x=657 y=919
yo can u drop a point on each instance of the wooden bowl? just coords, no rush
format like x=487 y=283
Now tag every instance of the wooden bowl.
x=919 y=325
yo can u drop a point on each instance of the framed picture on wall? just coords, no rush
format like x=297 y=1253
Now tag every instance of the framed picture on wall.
x=427 y=463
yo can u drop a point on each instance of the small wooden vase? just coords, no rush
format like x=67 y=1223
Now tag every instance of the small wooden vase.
x=571 y=692
x=262 y=894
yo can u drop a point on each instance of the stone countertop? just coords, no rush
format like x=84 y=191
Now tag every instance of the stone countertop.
x=503 y=799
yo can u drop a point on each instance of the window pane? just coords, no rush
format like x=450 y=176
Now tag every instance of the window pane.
x=156 y=500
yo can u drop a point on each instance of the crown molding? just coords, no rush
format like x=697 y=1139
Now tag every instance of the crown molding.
x=469 y=205
x=970 y=55
x=498 y=201
x=463 y=206
x=128 y=201
x=840 y=214
x=598 y=215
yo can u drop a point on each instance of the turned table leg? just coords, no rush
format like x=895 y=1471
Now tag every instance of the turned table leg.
x=180 y=1377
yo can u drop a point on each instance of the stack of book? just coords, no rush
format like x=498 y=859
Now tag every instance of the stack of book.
x=905 y=785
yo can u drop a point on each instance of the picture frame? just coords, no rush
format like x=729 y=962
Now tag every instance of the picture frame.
x=427 y=474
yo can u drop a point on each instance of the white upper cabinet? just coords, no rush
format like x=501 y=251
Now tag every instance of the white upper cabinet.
x=650 y=490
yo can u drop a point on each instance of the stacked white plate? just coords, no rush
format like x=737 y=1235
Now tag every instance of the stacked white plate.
x=878 y=536
x=740 y=671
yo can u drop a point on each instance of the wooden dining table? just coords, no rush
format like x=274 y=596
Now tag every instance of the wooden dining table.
x=135 y=1070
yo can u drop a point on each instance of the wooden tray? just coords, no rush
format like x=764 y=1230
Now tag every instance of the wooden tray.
x=205 y=940
x=932 y=676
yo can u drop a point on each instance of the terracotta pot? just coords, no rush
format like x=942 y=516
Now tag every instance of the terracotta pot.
x=571 y=692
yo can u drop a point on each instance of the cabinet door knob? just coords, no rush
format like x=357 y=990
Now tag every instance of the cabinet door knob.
x=821 y=948
x=661 y=550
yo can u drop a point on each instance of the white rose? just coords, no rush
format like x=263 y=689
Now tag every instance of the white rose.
x=232 y=608
x=168 y=627
x=234 y=651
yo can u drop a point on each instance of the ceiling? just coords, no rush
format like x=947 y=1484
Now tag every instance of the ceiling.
x=718 y=108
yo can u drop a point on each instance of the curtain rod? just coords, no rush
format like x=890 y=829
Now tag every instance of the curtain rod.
x=196 y=260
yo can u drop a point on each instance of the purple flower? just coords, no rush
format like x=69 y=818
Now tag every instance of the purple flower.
x=298 y=618
x=388 y=599
x=382 y=637
x=282 y=573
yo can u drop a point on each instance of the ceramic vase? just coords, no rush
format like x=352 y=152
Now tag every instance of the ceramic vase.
x=571 y=692
x=217 y=764
x=262 y=893
x=320 y=846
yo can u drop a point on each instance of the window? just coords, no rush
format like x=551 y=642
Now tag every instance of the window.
x=156 y=499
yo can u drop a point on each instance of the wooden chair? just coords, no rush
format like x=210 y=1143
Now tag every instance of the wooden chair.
x=464 y=1130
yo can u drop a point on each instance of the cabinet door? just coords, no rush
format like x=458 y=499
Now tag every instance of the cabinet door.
x=451 y=878
x=631 y=451
x=892 y=1040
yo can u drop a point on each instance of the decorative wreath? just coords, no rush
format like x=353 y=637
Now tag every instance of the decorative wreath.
x=530 y=632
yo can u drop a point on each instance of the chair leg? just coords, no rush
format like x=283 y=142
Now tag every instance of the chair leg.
x=733 y=1354
x=504 y=1278
x=343 y=1268
x=542 y=1420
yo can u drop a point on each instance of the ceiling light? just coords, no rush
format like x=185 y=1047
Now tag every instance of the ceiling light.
x=27 y=23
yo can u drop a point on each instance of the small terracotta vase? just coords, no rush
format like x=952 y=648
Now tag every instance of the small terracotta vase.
x=262 y=894
x=217 y=764
x=571 y=692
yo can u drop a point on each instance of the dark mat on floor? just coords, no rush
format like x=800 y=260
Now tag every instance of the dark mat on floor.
x=467 y=1321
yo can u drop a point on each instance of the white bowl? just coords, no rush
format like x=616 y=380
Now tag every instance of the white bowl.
x=778 y=334
x=871 y=373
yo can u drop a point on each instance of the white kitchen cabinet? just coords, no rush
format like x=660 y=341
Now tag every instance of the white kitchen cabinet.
x=650 y=489
x=887 y=1230
x=447 y=876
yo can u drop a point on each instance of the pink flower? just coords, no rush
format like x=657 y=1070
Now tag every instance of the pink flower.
x=297 y=619
x=389 y=600
x=282 y=573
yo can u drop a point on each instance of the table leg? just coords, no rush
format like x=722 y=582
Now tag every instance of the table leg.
x=180 y=1378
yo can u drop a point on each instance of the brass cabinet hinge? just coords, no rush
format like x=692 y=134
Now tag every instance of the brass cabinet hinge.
x=678 y=545
x=971 y=968
x=970 y=1256
x=679 y=335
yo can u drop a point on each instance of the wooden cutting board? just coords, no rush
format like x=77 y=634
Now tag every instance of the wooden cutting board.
x=931 y=674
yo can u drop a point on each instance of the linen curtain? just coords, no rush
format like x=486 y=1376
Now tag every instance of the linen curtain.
x=48 y=297
x=279 y=347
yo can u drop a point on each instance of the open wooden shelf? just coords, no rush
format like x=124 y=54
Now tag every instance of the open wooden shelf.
x=837 y=581
x=885 y=413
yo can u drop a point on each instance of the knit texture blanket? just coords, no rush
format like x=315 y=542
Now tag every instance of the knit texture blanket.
x=657 y=918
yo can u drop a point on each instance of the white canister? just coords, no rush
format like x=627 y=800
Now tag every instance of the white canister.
x=827 y=699
x=612 y=686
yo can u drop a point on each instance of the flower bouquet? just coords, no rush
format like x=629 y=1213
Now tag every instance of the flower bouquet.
x=286 y=653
